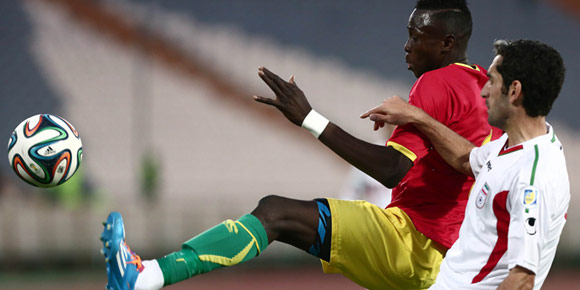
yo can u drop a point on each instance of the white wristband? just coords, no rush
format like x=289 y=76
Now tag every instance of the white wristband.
x=314 y=123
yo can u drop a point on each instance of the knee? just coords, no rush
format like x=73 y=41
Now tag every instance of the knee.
x=278 y=212
x=288 y=220
x=271 y=201
x=270 y=208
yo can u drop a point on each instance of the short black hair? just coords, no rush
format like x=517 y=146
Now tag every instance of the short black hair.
x=539 y=68
x=454 y=13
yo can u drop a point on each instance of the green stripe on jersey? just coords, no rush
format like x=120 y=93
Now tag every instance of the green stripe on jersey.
x=535 y=165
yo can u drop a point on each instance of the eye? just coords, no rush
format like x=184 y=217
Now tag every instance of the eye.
x=412 y=35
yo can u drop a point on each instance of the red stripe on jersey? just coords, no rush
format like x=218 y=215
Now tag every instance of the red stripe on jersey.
x=506 y=150
x=503 y=223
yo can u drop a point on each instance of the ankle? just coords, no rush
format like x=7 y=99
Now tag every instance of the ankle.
x=151 y=278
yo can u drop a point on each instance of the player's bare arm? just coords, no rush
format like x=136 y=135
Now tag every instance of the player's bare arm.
x=519 y=278
x=450 y=145
x=385 y=164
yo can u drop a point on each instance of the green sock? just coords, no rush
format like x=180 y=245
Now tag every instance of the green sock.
x=226 y=244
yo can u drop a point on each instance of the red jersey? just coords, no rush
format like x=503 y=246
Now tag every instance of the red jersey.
x=433 y=194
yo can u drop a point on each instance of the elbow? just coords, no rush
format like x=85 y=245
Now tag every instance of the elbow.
x=390 y=183
x=390 y=168
x=390 y=178
x=394 y=174
x=465 y=168
x=518 y=278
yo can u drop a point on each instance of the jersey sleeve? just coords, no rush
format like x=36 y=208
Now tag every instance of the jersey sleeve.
x=478 y=156
x=526 y=220
x=476 y=160
x=431 y=94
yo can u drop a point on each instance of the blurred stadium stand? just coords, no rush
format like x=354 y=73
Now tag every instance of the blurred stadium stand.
x=172 y=81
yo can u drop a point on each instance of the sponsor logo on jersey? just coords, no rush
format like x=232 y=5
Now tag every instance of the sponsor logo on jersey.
x=530 y=226
x=530 y=196
x=482 y=196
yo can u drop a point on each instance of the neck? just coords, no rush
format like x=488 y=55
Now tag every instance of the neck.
x=451 y=59
x=525 y=128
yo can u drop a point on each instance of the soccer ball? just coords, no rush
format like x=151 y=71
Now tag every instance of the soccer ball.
x=45 y=150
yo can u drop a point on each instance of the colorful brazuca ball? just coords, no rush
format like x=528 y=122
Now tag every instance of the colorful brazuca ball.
x=45 y=150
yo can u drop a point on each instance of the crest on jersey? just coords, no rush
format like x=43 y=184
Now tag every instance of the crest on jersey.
x=482 y=196
x=530 y=197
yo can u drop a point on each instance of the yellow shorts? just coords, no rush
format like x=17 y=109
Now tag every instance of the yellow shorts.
x=380 y=248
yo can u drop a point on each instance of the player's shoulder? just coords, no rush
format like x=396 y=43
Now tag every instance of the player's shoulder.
x=495 y=141
x=462 y=67
x=432 y=77
x=442 y=76
x=542 y=162
x=489 y=146
x=546 y=148
x=434 y=82
x=441 y=86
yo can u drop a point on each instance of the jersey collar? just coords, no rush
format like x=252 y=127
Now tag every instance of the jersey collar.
x=506 y=150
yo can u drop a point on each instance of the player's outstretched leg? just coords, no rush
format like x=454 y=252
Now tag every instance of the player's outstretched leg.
x=229 y=243
x=123 y=265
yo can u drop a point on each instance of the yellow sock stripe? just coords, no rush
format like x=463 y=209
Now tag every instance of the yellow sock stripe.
x=231 y=225
x=253 y=238
x=227 y=261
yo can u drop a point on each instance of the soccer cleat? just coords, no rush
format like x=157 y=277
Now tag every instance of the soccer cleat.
x=123 y=265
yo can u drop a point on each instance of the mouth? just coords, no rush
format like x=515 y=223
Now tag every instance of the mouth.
x=409 y=65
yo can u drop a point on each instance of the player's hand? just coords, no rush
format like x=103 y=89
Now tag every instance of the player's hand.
x=290 y=100
x=393 y=110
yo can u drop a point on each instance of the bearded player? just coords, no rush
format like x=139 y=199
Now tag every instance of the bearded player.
x=518 y=206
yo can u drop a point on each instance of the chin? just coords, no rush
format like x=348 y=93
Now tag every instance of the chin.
x=496 y=123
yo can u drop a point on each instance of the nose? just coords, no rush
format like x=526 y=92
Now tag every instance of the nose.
x=484 y=94
x=407 y=46
x=485 y=91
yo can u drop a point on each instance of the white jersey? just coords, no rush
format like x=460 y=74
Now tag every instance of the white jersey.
x=514 y=216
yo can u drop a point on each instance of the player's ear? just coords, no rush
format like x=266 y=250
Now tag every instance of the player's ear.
x=515 y=93
x=448 y=42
